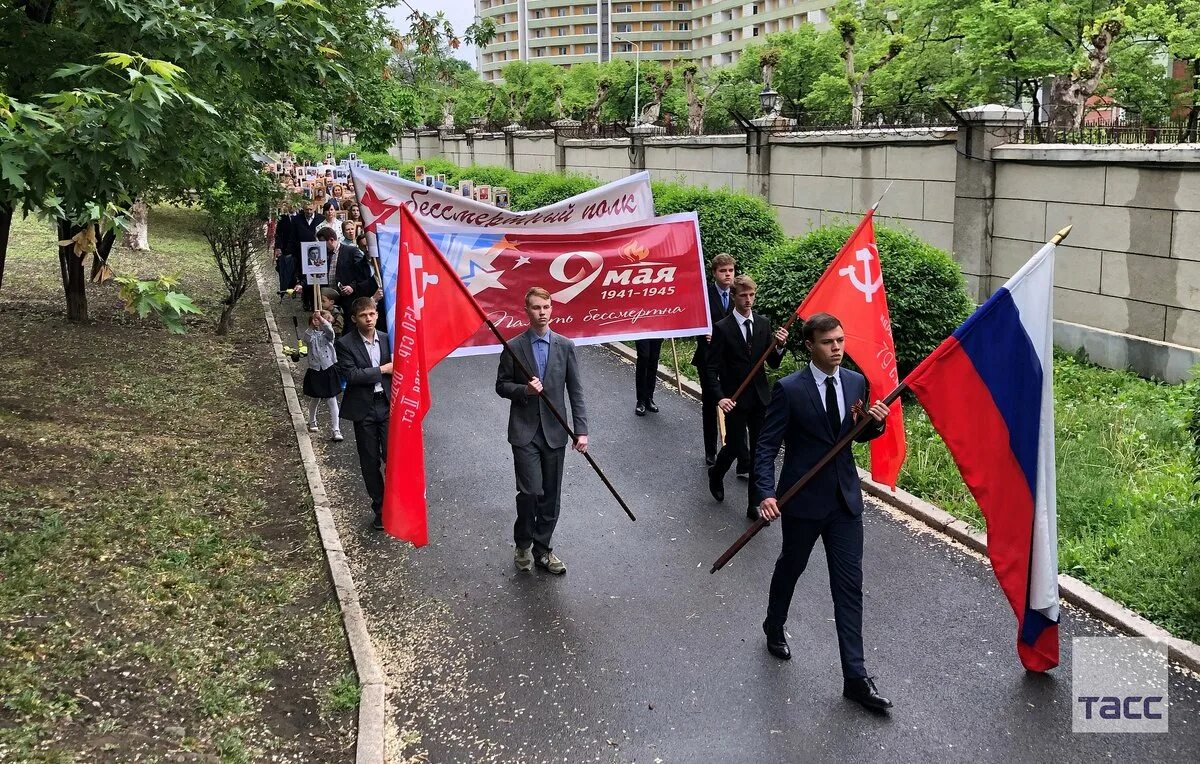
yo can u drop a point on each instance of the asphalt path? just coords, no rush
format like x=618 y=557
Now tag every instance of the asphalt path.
x=638 y=654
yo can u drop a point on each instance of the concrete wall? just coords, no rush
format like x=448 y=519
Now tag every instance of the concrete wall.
x=817 y=180
x=1127 y=280
x=534 y=152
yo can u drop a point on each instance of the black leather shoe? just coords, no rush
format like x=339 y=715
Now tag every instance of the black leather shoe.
x=715 y=485
x=776 y=642
x=640 y=409
x=710 y=460
x=863 y=691
x=652 y=407
x=377 y=523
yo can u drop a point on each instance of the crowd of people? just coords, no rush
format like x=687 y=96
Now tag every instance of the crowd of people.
x=538 y=373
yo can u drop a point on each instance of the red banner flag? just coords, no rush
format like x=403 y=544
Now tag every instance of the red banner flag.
x=434 y=315
x=851 y=288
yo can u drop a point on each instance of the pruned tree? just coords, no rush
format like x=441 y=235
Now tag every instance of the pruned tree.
x=848 y=29
x=699 y=89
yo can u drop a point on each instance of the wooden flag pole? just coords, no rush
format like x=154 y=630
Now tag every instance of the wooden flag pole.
x=563 y=422
x=845 y=441
x=675 y=358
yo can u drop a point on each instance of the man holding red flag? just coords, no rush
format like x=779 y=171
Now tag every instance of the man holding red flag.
x=851 y=288
x=434 y=315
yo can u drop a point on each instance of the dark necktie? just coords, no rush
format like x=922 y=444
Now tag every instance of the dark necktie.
x=749 y=334
x=725 y=301
x=831 y=407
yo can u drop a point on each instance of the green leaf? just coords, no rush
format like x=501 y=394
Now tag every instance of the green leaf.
x=181 y=303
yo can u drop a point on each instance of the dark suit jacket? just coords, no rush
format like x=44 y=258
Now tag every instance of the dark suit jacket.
x=360 y=374
x=353 y=269
x=796 y=419
x=715 y=314
x=526 y=412
x=729 y=361
x=283 y=234
x=302 y=231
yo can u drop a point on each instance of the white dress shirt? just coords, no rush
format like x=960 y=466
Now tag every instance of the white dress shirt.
x=372 y=346
x=820 y=377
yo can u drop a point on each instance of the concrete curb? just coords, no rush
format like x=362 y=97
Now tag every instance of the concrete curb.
x=1070 y=589
x=372 y=705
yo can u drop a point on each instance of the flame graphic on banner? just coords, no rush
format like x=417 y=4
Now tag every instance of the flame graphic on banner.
x=634 y=252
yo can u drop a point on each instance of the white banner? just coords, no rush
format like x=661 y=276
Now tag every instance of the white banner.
x=618 y=203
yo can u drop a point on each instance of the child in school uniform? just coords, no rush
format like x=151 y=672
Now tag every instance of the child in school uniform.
x=321 y=381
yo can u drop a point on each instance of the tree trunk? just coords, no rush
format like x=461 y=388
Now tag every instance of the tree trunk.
x=73 y=278
x=225 y=323
x=6 y=215
x=1193 y=117
x=136 y=236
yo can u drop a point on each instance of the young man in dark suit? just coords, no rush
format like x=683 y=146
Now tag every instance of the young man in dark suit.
x=364 y=360
x=738 y=341
x=810 y=410
x=349 y=273
x=538 y=441
x=720 y=304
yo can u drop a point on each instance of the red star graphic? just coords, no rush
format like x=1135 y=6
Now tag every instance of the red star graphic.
x=379 y=209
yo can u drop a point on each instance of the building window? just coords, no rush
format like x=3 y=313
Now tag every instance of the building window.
x=656 y=7
x=562 y=50
x=754 y=8
x=537 y=33
x=624 y=9
x=624 y=28
x=589 y=10
x=756 y=31
x=561 y=12
x=589 y=29
x=683 y=26
x=683 y=6
x=537 y=14
x=656 y=27
x=684 y=45
x=656 y=46
x=624 y=47
x=589 y=49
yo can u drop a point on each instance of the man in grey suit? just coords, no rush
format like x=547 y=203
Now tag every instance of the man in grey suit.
x=538 y=441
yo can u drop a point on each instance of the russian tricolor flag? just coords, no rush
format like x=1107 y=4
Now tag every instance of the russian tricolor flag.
x=989 y=392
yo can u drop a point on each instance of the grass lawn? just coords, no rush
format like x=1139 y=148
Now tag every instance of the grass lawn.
x=163 y=594
x=1128 y=516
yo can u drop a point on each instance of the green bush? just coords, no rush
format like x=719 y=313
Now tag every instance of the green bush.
x=926 y=293
x=730 y=221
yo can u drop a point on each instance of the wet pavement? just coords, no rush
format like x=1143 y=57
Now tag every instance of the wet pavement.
x=638 y=654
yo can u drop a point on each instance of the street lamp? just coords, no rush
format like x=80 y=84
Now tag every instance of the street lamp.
x=637 y=77
x=768 y=99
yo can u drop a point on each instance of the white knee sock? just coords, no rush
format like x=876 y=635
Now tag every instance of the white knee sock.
x=312 y=409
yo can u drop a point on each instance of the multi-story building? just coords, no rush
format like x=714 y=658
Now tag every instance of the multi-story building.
x=566 y=32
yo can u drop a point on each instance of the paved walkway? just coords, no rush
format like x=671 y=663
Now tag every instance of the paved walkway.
x=638 y=654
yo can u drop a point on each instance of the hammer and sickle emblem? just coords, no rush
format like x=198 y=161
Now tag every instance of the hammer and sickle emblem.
x=866 y=286
x=426 y=280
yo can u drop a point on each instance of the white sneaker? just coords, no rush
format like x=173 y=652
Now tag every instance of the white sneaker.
x=337 y=436
x=549 y=562
x=312 y=427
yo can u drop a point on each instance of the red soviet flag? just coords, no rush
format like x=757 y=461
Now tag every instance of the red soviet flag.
x=434 y=315
x=851 y=288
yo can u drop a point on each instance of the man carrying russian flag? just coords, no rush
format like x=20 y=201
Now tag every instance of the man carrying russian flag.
x=989 y=391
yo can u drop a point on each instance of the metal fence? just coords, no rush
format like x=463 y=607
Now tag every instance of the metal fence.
x=1167 y=133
